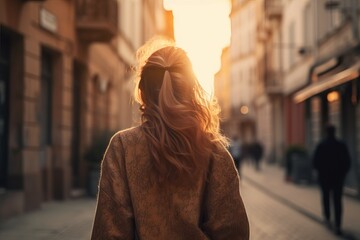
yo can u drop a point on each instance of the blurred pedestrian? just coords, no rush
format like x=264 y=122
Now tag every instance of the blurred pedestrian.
x=257 y=150
x=236 y=151
x=171 y=177
x=332 y=162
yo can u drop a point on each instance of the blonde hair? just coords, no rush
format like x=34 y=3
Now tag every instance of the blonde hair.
x=179 y=119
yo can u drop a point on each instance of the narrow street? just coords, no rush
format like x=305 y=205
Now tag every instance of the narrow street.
x=284 y=73
x=292 y=208
x=269 y=217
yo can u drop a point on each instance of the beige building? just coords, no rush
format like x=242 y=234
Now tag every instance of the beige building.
x=307 y=66
x=271 y=55
x=243 y=73
x=222 y=91
x=330 y=91
x=269 y=100
x=141 y=20
x=64 y=79
x=298 y=54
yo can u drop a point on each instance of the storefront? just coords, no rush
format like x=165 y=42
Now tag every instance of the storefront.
x=332 y=96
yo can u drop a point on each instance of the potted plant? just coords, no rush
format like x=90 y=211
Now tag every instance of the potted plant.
x=94 y=155
x=298 y=164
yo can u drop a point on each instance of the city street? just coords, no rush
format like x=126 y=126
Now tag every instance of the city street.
x=282 y=200
x=285 y=75
x=270 y=216
x=270 y=219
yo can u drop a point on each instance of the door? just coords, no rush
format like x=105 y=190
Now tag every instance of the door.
x=347 y=132
x=45 y=120
x=4 y=105
x=78 y=76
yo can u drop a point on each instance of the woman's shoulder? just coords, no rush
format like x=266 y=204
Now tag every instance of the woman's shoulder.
x=222 y=166
x=221 y=153
x=129 y=136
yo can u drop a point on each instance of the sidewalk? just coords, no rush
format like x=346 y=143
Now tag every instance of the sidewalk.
x=65 y=220
x=302 y=198
x=270 y=219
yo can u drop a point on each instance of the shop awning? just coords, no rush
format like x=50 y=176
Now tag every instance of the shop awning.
x=329 y=82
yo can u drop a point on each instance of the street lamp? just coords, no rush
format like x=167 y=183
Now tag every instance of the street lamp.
x=244 y=110
x=332 y=96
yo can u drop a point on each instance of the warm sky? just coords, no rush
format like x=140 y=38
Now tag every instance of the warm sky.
x=202 y=29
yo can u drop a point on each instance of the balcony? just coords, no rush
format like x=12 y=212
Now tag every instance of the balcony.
x=273 y=8
x=96 y=21
x=273 y=82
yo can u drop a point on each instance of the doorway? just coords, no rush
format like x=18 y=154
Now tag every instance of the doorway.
x=348 y=124
x=78 y=172
x=45 y=120
x=5 y=53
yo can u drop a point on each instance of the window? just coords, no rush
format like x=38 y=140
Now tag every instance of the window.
x=291 y=44
x=336 y=18
x=308 y=26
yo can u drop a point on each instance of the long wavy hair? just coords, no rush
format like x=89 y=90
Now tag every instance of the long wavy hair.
x=179 y=119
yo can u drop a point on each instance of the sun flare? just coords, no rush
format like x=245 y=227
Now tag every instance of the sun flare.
x=202 y=29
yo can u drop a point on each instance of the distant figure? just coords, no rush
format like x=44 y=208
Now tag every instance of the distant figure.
x=235 y=151
x=332 y=162
x=170 y=177
x=256 y=153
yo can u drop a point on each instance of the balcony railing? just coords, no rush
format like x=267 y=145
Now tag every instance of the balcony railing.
x=273 y=82
x=273 y=8
x=96 y=21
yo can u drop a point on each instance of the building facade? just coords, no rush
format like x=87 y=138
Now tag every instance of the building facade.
x=305 y=55
x=330 y=94
x=222 y=88
x=298 y=41
x=37 y=52
x=243 y=60
x=64 y=79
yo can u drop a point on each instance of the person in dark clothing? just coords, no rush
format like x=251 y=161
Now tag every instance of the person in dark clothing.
x=235 y=151
x=256 y=153
x=332 y=162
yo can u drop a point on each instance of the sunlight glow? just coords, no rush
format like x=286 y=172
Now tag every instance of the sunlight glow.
x=202 y=29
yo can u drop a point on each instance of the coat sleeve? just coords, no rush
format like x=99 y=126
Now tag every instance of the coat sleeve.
x=114 y=214
x=224 y=215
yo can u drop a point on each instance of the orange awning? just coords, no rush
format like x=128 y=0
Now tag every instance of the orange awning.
x=322 y=85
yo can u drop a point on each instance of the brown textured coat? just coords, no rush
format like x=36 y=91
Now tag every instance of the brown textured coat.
x=128 y=202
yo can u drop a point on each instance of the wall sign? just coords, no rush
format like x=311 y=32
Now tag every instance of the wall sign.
x=48 y=20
